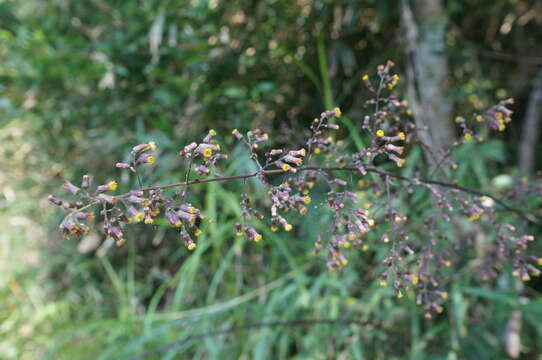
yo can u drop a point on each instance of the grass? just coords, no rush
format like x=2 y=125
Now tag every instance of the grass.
x=230 y=299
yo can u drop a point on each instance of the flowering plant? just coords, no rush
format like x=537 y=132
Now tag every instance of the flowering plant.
x=362 y=193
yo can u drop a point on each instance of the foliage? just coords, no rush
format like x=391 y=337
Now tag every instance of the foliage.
x=80 y=85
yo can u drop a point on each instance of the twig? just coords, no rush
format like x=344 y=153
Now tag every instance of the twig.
x=523 y=214
x=296 y=323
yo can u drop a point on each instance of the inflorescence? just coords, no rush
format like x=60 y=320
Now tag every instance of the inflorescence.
x=364 y=209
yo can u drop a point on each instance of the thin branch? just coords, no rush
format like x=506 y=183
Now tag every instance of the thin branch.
x=292 y=323
x=523 y=214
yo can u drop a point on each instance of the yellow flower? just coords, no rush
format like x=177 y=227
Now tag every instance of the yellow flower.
x=365 y=77
x=150 y=159
x=475 y=216
x=198 y=232
x=149 y=221
x=383 y=283
x=338 y=112
x=400 y=162
x=207 y=152
x=365 y=247
x=153 y=146
x=112 y=185
x=274 y=228
x=285 y=167
x=258 y=238
x=415 y=279
x=526 y=277
x=468 y=136
x=479 y=118
x=380 y=133
x=307 y=199
x=139 y=216
x=402 y=136
x=191 y=246
x=288 y=227
x=444 y=295
x=540 y=261
x=317 y=151
x=212 y=132
x=399 y=295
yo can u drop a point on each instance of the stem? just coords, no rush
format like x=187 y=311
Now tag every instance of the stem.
x=287 y=323
x=523 y=214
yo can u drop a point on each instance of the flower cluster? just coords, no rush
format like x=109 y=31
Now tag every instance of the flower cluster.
x=366 y=205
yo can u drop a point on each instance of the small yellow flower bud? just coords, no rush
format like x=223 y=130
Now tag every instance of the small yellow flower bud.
x=365 y=77
x=112 y=185
x=192 y=246
x=380 y=133
x=207 y=152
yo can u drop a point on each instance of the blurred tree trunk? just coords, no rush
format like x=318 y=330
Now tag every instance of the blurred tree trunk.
x=424 y=28
x=531 y=128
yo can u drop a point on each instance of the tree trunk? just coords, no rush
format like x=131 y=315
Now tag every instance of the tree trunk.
x=424 y=28
x=531 y=129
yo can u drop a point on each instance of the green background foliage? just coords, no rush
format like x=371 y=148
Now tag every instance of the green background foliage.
x=83 y=81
